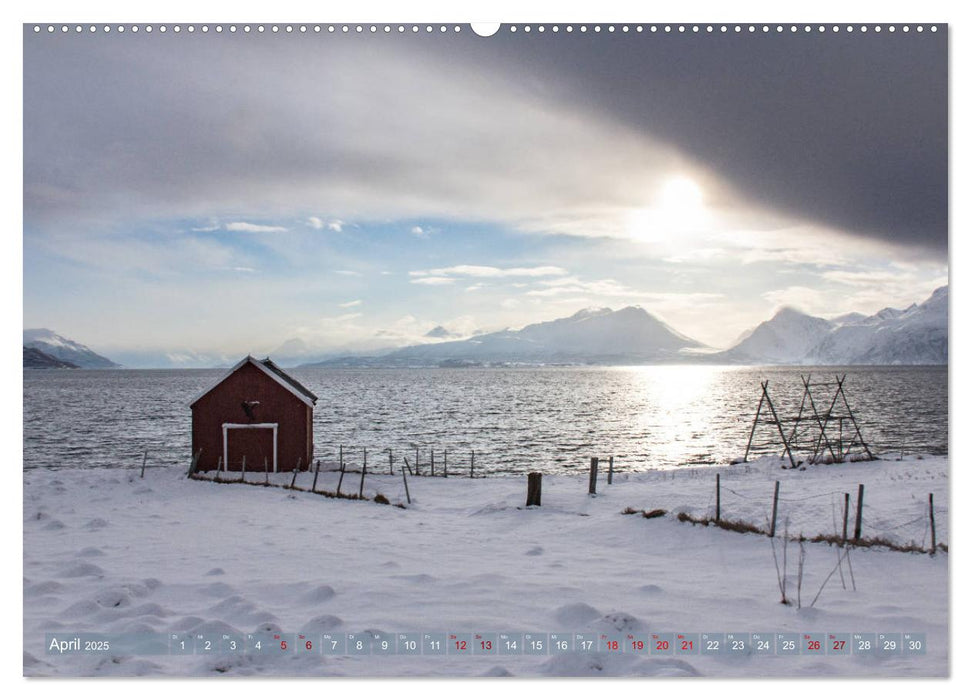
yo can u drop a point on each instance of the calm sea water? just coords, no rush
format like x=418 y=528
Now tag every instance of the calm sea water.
x=516 y=420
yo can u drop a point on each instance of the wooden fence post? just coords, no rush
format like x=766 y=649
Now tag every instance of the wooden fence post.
x=433 y=462
x=534 y=488
x=472 y=468
x=390 y=462
x=144 y=459
x=593 y=475
x=266 y=473
x=341 y=479
x=194 y=463
x=417 y=471
x=404 y=475
x=293 y=480
x=360 y=491
x=930 y=500
x=718 y=498
x=775 y=509
x=316 y=474
x=859 y=514
x=846 y=515
x=610 y=471
x=445 y=464
x=242 y=472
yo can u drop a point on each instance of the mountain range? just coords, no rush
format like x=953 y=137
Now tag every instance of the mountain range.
x=917 y=335
x=914 y=336
x=70 y=351
x=35 y=359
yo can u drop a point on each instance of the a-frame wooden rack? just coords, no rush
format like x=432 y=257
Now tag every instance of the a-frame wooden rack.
x=811 y=431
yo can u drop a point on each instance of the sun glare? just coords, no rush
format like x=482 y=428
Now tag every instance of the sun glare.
x=677 y=207
x=681 y=194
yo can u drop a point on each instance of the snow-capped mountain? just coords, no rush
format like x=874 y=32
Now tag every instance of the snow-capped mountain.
x=50 y=343
x=785 y=338
x=603 y=336
x=916 y=335
x=35 y=359
x=442 y=333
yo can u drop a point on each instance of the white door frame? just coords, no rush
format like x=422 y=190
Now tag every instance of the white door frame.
x=243 y=426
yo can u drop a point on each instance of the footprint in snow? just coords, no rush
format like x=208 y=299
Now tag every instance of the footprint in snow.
x=575 y=614
x=535 y=551
x=215 y=572
x=81 y=569
x=319 y=594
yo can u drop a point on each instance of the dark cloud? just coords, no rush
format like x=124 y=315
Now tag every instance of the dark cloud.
x=847 y=129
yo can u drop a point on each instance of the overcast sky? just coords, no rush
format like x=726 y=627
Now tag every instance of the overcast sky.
x=226 y=193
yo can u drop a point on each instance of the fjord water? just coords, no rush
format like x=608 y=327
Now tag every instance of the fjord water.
x=516 y=419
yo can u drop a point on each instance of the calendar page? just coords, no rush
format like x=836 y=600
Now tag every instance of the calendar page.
x=543 y=349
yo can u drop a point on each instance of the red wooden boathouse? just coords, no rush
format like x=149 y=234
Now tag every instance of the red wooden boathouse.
x=256 y=411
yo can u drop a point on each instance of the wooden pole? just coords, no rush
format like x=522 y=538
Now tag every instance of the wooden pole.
x=407 y=466
x=417 y=471
x=846 y=515
x=534 y=488
x=778 y=423
x=718 y=498
x=433 y=462
x=341 y=480
x=194 y=463
x=849 y=410
x=859 y=514
x=775 y=509
x=341 y=458
x=316 y=474
x=930 y=500
x=755 y=422
x=242 y=472
x=293 y=480
x=360 y=490
x=610 y=471
x=404 y=476
x=390 y=462
x=144 y=459
x=472 y=468
x=593 y=475
x=445 y=464
x=821 y=424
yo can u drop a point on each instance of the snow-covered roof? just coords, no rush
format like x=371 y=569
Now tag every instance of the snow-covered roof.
x=270 y=368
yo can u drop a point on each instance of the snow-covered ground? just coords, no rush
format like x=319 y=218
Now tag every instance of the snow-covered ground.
x=108 y=552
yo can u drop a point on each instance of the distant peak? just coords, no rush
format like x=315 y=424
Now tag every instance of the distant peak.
x=441 y=332
x=789 y=312
x=590 y=312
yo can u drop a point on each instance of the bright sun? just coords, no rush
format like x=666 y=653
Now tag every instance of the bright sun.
x=682 y=194
x=678 y=207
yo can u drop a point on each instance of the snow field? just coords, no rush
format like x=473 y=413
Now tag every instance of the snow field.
x=105 y=551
